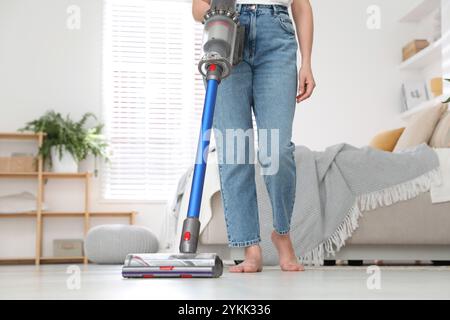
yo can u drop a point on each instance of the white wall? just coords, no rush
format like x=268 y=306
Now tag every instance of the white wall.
x=43 y=65
x=358 y=83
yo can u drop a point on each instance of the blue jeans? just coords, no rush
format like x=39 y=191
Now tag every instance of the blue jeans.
x=265 y=83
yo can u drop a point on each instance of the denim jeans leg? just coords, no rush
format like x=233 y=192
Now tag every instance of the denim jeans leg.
x=233 y=112
x=267 y=82
x=274 y=91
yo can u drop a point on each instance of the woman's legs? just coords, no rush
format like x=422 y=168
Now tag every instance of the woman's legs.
x=233 y=131
x=265 y=80
x=274 y=92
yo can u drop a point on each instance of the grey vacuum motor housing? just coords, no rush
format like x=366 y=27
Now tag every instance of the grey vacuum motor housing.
x=223 y=40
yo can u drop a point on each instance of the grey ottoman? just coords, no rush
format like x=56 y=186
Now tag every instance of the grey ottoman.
x=110 y=243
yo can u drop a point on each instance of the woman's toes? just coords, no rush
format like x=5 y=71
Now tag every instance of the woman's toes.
x=292 y=267
x=252 y=268
x=246 y=267
x=236 y=269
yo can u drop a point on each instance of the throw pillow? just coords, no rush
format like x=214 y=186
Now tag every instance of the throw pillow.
x=420 y=127
x=386 y=140
x=441 y=135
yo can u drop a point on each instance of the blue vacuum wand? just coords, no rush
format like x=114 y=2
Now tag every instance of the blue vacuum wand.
x=191 y=225
x=223 y=48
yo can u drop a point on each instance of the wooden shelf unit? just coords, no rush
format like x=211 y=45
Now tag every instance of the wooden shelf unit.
x=17 y=261
x=41 y=176
x=12 y=175
x=57 y=175
x=50 y=260
x=49 y=214
x=46 y=175
x=20 y=136
x=18 y=215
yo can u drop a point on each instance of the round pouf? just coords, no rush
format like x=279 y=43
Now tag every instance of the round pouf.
x=110 y=243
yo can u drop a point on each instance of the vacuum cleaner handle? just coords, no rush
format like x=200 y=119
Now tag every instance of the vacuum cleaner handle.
x=191 y=225
x=223 y=47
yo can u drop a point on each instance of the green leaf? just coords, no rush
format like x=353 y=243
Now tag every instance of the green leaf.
x=65 y=133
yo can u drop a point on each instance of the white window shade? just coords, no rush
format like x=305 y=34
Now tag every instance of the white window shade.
x=152 y=96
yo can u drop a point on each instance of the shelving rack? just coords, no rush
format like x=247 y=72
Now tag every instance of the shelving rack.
x=41 y=176
x=431 y=56
x=427 y=56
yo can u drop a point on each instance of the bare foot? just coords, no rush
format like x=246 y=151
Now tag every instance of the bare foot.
x=288 y=260
x=252 y=262
x=379 y=262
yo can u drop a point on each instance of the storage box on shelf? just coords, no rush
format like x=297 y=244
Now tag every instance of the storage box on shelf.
x=67 y=248
x=18 y=164
x=40 y=176
x=427 y=56
x=437 y=87
x=413 y=48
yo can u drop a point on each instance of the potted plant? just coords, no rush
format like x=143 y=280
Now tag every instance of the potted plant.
x=448 y=100
x=67 y=142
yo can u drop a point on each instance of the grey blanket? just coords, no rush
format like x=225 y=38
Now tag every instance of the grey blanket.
x=335 y=186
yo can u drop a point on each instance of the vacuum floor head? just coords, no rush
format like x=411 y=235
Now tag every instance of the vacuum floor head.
x=180 y=265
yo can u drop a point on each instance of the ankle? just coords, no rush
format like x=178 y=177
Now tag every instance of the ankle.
x=253 y=252
x=276 y=235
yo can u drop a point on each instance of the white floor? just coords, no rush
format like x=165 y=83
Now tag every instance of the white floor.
x=342 y=282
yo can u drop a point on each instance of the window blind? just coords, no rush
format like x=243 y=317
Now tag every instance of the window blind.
x=152 y=96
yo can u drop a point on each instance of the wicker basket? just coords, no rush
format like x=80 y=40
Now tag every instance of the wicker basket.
x=18 y=164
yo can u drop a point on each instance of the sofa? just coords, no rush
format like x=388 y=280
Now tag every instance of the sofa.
x=410 y=230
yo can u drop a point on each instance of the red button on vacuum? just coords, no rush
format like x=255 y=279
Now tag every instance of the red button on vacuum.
x=166 y=268
x=187 y=236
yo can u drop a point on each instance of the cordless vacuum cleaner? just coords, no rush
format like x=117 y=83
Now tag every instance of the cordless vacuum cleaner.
x=223 y=48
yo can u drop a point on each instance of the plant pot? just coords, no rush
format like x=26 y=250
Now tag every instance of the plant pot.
x=66 y=163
